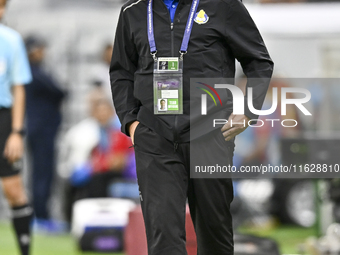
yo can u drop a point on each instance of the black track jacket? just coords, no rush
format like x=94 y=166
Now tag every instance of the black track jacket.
x=229 y=34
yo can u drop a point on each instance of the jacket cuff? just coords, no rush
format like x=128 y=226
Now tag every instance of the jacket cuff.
x=128 y=119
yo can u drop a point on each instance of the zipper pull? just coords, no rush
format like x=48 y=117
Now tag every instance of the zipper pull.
x=172 y=26
x=175 y=146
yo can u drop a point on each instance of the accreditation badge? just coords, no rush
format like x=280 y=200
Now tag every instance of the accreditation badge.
x=168 y=86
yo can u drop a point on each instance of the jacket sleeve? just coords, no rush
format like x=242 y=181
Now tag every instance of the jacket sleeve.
x=123 y=66
x=248 y=48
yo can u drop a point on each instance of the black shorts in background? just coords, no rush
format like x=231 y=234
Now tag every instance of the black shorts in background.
x=6 y=168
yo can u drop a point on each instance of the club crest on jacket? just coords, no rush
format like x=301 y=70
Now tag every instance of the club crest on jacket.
x=201 y=17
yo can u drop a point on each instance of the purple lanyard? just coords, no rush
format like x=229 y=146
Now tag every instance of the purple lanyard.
x=187 y=32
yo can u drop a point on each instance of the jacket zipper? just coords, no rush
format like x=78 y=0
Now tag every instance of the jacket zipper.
x=172 y=39
x=176 y=136
x=173 y=54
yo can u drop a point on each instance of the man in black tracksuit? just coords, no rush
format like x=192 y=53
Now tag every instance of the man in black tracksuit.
x=162 y=142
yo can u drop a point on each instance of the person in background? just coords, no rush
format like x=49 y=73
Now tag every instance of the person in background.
x=97 y=154
x=14 y=73
x=109 y=157
x=100 y=73
x=43 y=102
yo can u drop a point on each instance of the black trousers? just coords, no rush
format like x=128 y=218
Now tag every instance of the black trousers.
x=165 y=185
x=42 y=150
x=6 y=168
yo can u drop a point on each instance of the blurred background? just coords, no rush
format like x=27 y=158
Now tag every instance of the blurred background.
x=70 y=43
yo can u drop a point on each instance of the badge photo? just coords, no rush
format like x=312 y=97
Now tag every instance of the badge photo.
x=162 y=104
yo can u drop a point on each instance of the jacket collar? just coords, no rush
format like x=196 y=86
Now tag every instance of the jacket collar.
x=187 y=1
x=181 y=1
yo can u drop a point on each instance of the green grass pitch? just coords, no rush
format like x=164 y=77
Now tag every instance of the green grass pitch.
x=289 y=237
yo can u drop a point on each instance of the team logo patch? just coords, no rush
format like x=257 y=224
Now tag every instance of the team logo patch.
x=201 y=17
